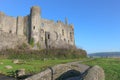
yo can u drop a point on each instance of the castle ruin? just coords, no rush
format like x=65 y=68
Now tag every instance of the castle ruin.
x=41 y=32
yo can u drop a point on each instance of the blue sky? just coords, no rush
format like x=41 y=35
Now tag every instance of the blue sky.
x=96 y=22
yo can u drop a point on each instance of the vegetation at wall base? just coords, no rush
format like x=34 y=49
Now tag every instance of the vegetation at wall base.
x=42 y=54
x=31 y=42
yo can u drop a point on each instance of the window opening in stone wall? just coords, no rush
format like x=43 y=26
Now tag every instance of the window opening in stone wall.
x=42 y=24
x=48 y=36
x=10 y=31
x=56 y=35
x=71 y=36
x=33 y=27
x=62 y=32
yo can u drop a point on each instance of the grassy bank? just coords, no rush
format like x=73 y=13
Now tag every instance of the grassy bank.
x=111 y=67
x=30 y=66
x=34 y=61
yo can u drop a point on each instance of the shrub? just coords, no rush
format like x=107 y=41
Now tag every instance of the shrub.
x=45 y=53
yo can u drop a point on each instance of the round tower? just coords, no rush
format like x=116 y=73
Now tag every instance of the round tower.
x=35 y=23
x=35 y=10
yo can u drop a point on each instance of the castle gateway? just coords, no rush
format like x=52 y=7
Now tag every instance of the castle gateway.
x=40 y=32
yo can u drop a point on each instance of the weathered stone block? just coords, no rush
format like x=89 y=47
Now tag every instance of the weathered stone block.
x=95 y=73
x=20 y=72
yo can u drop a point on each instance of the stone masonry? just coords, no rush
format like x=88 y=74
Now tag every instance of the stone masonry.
x=8 y=41
x=70 y=71
x=44 y=33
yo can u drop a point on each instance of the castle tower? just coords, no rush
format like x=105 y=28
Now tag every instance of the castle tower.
x=35 y=23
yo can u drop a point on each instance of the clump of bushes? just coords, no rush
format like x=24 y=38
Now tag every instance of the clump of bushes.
x=42 y=54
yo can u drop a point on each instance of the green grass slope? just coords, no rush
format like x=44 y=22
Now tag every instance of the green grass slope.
x=34 y=61
x=111 y=67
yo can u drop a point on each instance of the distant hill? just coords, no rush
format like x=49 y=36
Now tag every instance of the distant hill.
x=105 y=54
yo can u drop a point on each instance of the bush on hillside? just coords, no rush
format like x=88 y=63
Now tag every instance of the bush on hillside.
x=42 y=54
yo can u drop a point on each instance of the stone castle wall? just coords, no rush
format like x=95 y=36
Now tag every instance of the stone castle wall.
x=59 y=33
x=7 y=23
x=10 y=40
x=45 y=33
x=20 y=25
